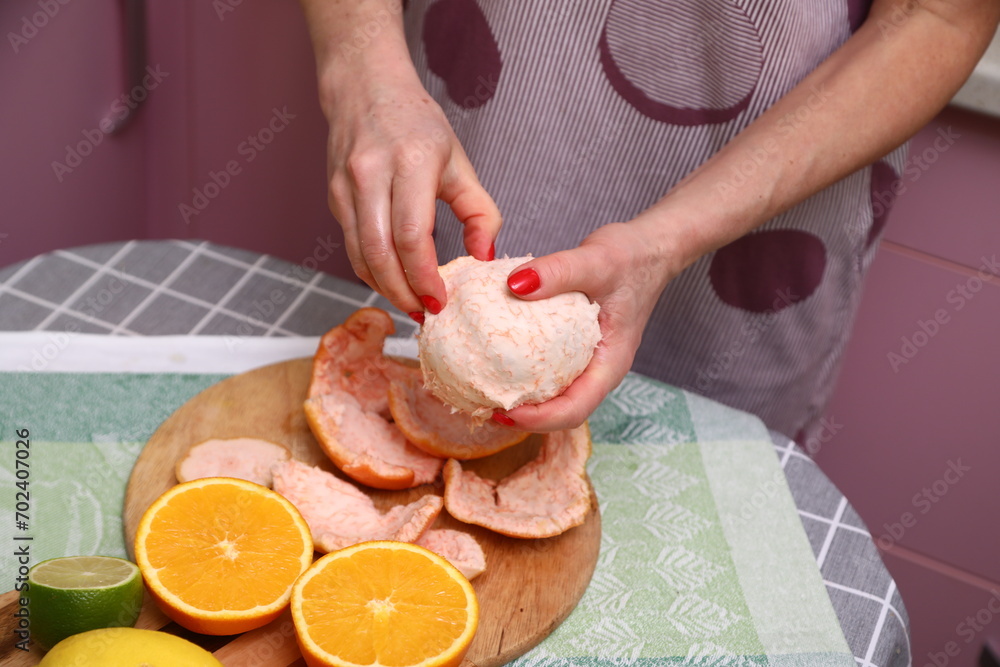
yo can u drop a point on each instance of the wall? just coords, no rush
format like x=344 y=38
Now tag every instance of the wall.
x=244 y=95
x=63 y=182
x=918 y=451
x=236 y=87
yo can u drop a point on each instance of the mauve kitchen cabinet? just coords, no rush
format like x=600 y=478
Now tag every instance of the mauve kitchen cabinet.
x=223 y=139
x=917 y=407
x=63 y=180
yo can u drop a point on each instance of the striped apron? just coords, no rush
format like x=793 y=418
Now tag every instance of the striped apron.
x=577 y=113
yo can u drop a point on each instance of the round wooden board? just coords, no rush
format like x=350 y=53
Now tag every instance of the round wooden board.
x=529 y=586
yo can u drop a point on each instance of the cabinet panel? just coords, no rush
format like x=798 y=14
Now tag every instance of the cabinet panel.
x=238 y=149
x=65 y=181
x=917 y=453
x=949 y=203
x=955 y=619
x=231 y=129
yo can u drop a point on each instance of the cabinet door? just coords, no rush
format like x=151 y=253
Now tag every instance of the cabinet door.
x=918 y=455
x=64 y=79
x=228 y=145
x=237 y=142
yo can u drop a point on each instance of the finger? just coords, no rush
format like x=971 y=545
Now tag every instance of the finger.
x=472 y=205
x=341 y=202
x=582 y=269
x=413 y=204
x=375 y=237
x=575 y=405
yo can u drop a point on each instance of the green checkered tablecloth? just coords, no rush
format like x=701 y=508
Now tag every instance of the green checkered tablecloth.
x=703 y=560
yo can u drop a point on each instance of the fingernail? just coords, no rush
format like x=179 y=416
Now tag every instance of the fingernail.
x=491 y=255
x=501 y=418
x=417 y=317
x=524 y=282
x=431 y=304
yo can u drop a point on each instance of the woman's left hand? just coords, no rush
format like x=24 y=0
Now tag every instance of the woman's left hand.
x=618 y=268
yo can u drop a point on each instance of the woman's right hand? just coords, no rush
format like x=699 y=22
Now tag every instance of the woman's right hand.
x=391 y=154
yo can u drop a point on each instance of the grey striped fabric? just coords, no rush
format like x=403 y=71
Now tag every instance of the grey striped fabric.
x=577 y=114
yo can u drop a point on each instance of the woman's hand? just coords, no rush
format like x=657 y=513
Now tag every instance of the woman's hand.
x=877 y=93
x=619 y=268
x=391 y=153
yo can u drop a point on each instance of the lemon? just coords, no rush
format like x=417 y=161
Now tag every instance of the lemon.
x=79 y=593
x=127 y=647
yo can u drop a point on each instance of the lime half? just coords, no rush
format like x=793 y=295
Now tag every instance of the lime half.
x=74 y=594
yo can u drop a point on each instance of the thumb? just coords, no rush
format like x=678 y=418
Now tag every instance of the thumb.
x=580 y=269
x=473 y=206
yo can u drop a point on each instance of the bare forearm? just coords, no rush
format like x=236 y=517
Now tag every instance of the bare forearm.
x=883 y=85
x=356 y=42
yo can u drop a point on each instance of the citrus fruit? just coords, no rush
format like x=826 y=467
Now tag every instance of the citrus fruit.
x=245 y=458
x=545 y=497
x=384 y=603
x=340 y=514
x=127 y=647
x=432 y=426
x=349 y=358
x=219 y=555
x=365 y=446
x=79 y=593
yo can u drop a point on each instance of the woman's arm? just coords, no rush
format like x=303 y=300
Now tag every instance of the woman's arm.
x=887 y=81
x=391 y=152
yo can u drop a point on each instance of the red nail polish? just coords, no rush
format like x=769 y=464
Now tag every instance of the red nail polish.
x=501 y=418
x=417 y=317
x=431 y=304
x=491 y=255
x=524 y=282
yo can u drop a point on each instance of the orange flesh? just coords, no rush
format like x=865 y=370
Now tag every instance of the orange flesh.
x=220 y=555
x=385 y=606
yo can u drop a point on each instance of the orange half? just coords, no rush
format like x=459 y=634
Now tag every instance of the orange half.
x=220 y=555
x=386 y=604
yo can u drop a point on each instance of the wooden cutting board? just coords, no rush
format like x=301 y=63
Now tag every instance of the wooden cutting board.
x=528 y=588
